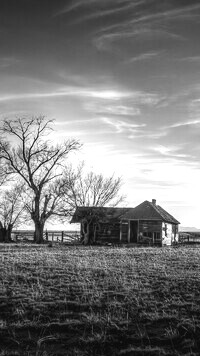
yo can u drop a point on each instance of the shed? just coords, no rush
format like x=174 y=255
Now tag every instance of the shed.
x=147 y=223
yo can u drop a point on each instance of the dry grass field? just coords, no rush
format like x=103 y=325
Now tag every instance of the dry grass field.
x=99 y=300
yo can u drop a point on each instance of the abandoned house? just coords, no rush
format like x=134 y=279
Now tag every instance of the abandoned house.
x=147 y=223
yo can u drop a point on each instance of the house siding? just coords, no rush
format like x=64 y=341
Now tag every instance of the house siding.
x=108 y=233
x=169 y=234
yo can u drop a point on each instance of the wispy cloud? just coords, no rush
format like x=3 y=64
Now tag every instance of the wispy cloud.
x=192 y=59
x=71 y=91
x=149 y=135
x=171 y=151
x=105 y=41
x=103 y=8
x=144 y=24
x=183 y=123
x=130 y=105
x=143 y=57
x=148 y=17
x=109 y=97
x=8 y=62
x=111 y=109
x=111 y=6
x=122 y=125
x=174 y=12
x=194 y=110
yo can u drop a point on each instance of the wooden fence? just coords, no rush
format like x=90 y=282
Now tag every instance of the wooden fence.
x=49 y=235
x=189 y=237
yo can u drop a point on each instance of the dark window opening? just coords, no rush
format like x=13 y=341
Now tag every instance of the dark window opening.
x=147 y=234
x=156 y=236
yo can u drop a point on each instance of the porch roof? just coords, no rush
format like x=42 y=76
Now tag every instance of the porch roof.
x=103 y=213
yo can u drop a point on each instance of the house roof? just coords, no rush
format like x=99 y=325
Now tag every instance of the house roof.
x=149 y=211
x=144 y=211
x=104 y=213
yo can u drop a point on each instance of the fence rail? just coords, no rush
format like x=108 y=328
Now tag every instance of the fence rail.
x=189 y=237
x=49 y=235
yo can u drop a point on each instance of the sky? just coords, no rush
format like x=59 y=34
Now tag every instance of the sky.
x=121 y=76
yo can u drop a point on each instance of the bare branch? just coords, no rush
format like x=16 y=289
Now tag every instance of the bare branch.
x=36 y=161
x=90 y=189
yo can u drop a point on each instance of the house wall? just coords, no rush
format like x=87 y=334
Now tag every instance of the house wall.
x=149 y=226
x=148 y=231
x=169 y=234
x=108 y=233
x=155 y=231
x=151 y=229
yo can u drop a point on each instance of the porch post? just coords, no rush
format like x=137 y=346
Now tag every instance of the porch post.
x=120 y=235
x=129 y=231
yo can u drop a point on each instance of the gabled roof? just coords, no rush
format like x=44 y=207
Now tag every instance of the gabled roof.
x=103 y=213
x=149 y=211
x=144 y=211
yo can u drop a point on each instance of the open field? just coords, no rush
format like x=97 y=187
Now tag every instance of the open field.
x=79 y=300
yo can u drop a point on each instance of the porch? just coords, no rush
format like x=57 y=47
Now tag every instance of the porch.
x=148 y=232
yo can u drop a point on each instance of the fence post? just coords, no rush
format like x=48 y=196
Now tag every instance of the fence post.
x=62 y=236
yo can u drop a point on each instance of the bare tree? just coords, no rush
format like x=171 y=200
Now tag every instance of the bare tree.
x=4 y=176
x=11 y=210
x=37 y=161
x=89 y=190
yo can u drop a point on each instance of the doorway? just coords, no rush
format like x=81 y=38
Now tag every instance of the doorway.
x=133 y=231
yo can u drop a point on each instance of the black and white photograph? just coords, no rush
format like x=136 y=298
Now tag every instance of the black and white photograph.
x=99 y=177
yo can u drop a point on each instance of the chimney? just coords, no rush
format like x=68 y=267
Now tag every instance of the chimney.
x=154 y=201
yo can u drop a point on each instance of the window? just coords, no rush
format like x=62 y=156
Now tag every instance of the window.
x=147 y=234
x=156 y=236
x=165 y=229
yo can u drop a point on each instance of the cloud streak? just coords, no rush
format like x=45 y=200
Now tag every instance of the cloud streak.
x=112 y=109
x=122 y=126
x=192 y=59
x=71 y=91
x=144 y=57
x=103 y=8
x=102 y=95
x=183 y=123
x=106 y=41
x=144 y=24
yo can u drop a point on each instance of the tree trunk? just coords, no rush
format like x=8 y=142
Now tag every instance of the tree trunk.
x=86 y=233
x=2 y=234
x=5 y=233
x=38 y=234
x=8 y=233
x=38 y=221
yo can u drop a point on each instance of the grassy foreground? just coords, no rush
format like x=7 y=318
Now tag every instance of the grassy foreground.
x=99 y=300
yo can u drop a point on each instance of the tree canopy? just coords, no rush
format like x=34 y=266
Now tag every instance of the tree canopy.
x=12 y=208
x=26 y=152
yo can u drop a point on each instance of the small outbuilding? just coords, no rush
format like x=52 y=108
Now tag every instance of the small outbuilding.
x=147 y=223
